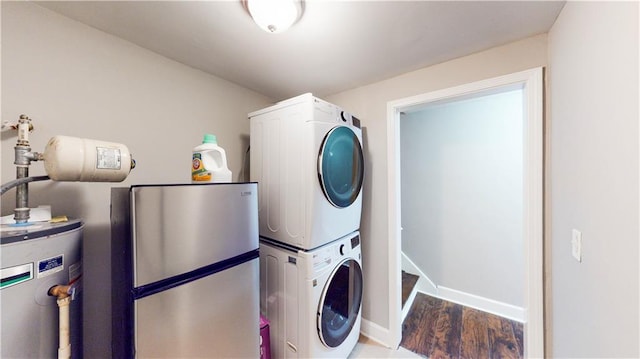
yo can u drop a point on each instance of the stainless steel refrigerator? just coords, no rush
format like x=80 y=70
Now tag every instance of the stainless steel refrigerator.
x=185 y=281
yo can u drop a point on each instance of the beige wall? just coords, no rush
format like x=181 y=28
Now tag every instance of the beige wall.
x=592 y=306
x=370 y=104
x=77 y=81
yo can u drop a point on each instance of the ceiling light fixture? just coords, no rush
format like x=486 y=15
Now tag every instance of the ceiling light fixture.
x=274 y=16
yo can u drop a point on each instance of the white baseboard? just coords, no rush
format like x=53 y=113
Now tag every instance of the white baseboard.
x=426 y=286
x=376 y=333
x=484 y=304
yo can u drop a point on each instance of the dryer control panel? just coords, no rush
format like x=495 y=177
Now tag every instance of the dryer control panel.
x=322 y=258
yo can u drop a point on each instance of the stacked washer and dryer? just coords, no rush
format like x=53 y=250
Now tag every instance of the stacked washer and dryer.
x=307 y=157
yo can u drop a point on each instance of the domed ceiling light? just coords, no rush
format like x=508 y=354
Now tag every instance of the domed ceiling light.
x=274 y=16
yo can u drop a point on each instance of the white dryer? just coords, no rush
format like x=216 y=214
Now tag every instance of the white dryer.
x=312 y=298
x=307 y=157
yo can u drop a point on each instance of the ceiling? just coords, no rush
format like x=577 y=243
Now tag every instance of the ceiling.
x=336 y=45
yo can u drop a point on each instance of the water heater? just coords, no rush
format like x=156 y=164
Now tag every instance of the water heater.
x=41 y=285
x=34 y=259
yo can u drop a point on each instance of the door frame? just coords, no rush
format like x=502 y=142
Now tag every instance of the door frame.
x=532 y=84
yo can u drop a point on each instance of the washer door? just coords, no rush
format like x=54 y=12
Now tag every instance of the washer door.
x=341 y=166
x=340 y=303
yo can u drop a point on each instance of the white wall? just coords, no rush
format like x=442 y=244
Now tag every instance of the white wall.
x=461 y=173
x=77 y=81
x=369 y=103
x=592 y=307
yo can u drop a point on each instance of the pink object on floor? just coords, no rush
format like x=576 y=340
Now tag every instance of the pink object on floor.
x=265 y=340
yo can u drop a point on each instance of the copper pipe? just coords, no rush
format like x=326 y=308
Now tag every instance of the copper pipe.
x=59 y=291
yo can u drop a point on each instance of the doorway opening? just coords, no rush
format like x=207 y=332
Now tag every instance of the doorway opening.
x=529 y=85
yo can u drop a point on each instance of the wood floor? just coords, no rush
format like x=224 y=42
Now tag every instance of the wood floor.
x=439 y=329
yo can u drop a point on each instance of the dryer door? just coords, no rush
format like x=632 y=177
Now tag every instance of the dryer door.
x=341 y=166
x=340 y=303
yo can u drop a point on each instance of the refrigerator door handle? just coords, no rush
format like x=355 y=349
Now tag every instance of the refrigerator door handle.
x=184 y=278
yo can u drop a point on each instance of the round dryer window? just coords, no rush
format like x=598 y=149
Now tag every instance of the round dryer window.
x=340 y=303
x=341 y=166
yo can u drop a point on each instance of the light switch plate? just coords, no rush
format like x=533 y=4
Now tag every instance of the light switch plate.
x=576 y=244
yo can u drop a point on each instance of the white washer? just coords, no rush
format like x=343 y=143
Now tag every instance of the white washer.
x=307 y=157
x=312 y=299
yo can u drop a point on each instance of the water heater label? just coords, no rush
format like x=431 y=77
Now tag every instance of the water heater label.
x=16 y=275
x=108 y=158
x=50 y=266
x=75 y=271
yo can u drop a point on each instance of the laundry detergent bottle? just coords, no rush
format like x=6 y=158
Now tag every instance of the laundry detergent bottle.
x=209 y=162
